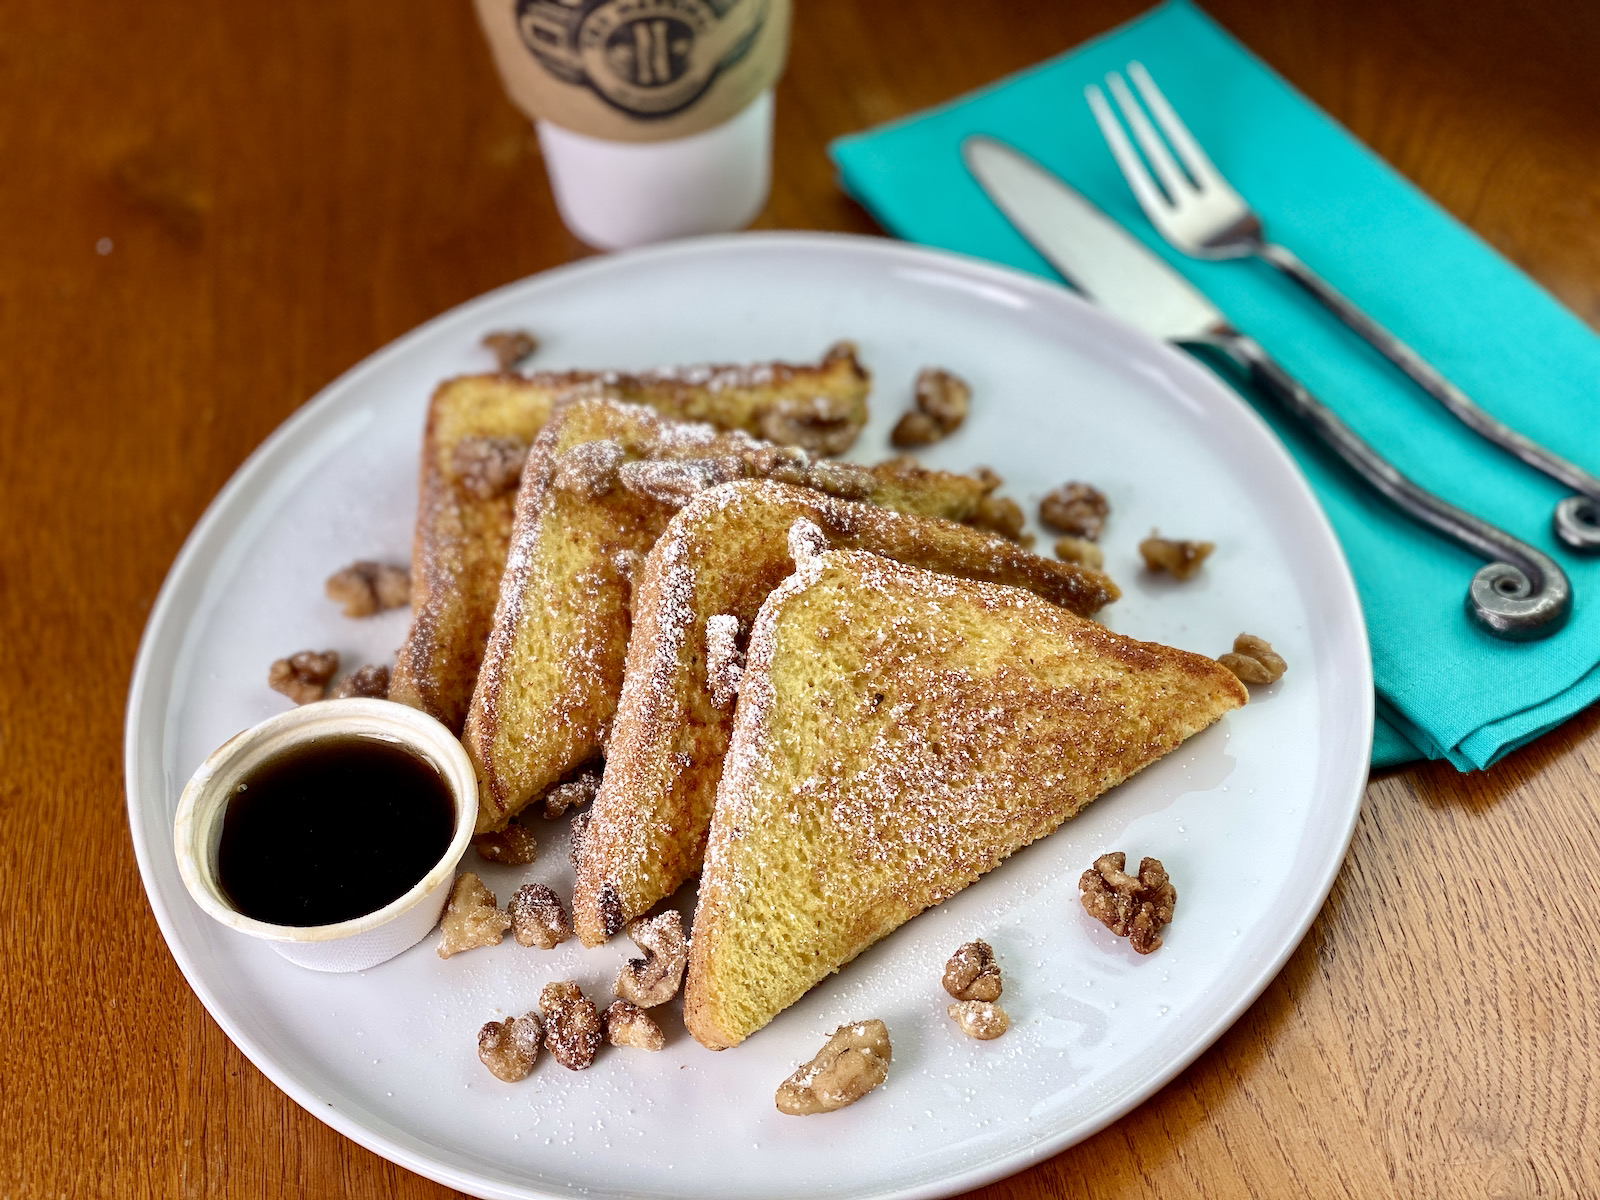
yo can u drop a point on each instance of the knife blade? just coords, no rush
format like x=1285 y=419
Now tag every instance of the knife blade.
x=1520 y=595
x=1095 y=254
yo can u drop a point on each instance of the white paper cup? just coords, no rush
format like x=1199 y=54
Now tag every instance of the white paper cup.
x=356 y=944
x=615 y=194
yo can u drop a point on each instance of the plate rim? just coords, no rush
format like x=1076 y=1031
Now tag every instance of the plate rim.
x=148 y=700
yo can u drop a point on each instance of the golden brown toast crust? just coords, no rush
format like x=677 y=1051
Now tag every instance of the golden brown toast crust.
x=723 y=554
x=899 y=733
x=552 y=671
x=459 y=550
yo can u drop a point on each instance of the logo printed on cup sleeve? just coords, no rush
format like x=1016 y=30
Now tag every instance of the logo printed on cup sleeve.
x=646 y=58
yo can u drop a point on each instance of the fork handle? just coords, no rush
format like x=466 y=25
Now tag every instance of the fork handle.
x=1521 y=595
x=1577 y=518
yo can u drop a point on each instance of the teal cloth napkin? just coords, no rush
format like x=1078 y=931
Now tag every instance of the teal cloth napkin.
x=1445 y=690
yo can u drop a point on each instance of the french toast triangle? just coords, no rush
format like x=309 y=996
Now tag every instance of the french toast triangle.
x=898 y=734
x=719 y=558
x=478 y=432
x=601 y=483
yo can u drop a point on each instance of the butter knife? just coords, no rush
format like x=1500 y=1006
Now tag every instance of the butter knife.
x=1520 y=595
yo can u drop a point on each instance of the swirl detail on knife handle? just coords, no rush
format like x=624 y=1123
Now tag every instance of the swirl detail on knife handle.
x=1520 y=595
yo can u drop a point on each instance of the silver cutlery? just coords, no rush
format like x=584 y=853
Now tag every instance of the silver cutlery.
x=1522 y=594
x=1199 y=214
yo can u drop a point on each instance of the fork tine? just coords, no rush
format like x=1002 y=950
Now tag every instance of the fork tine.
x=1195 y=161
x=1155 y=150
x=1145 y=191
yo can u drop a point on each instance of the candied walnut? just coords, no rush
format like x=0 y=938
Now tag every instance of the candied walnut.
x=303 y=677
x=981 y=1019
x=845 y=480
x=471 y=918
x=944 y=397
x=676 y=481
x=786 y=464
x=724 y=659
x=364 y=588
x=488 y=466
x=571 y=1024
x=580 y=789
x=987 y=478
x=629 y=1025
x=1081 y=551
x=1182 y=559
x=972 y=973
x=509 y=1048
x=655 y=978
x=611 y=918
x=915 y=429
x=820 y=424
x=370 y=681
x=1076 y=508
x=855 y=1060
x=588 y=469
x=1134 y=907
x=510 y=347
x=1002 y=515
x=1254 y=661
x=514 y=845
x=579 y=827
x=538 y=917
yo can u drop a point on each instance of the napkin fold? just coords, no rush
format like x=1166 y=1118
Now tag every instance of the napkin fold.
x=1445 y=689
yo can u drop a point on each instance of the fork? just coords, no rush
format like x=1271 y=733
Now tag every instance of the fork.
x=1200 y=214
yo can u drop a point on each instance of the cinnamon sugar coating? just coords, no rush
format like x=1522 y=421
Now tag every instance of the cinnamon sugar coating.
x=719 y=558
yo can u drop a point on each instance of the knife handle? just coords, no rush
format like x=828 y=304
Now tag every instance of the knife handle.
x=1521 y=595
x=1577 y=518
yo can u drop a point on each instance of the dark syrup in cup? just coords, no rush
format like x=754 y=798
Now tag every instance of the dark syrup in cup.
x=333 y=830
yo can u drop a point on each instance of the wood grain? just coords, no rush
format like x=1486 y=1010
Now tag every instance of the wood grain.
x=283 y=188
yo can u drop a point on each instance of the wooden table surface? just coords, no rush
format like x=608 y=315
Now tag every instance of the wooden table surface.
x=208 y=211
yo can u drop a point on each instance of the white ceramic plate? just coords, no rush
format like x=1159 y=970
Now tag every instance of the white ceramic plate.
x=1252 y=817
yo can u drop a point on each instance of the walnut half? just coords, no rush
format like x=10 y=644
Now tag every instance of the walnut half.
x=1253 y=660
x=629 y=1025
x=979 y=1019
x=538 y=918
x=1180 y=559
x=571 y=1024
x=514 y=845
x=655 y=978
x=303 y=677
x=1134 y=907
x=371 y=681
x=509 y=1048
x=364 y=588
x=972 y=973
x=855 y=1060
x=471 y=918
